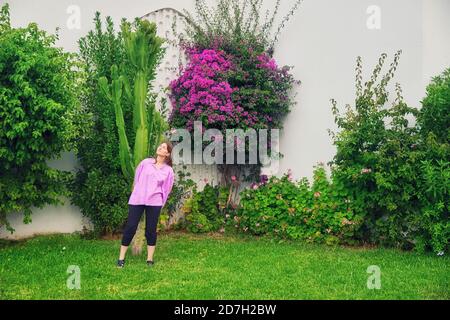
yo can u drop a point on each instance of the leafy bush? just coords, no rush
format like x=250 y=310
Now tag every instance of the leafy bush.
x=297 y=210
x=433 y=223
x=231 y=80
x=433 y=121
x=205 y=211
x=182 y=190
x=434 y=115
x=40 y=117
x=389 y=179
x=393 y=176
x=100 y=189
x=203 y=93
x=103 y=199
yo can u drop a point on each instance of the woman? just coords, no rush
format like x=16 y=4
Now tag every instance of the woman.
x=153 y=181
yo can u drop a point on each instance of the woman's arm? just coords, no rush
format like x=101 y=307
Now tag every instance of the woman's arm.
x=137 y=173
x=167 y=186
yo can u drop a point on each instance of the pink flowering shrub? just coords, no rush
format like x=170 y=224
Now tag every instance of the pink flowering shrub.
x=239 y=89
x=231 y=87
x=202 y=93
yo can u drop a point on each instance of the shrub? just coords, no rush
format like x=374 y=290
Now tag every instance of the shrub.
x=433 y=121
x=104 y=203
x=203 y=93
x=182 y=190
x=225 y=91
x=392 y=174
x=434 y=116
x=40 y=117
x=205 y=211
x=433 y=223
x=287 y=209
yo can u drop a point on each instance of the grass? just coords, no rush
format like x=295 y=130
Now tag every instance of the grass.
x=219 y=267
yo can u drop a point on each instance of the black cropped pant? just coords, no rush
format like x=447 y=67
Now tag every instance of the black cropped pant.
x=151 y=221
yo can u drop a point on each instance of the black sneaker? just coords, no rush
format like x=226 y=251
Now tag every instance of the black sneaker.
x=120 y=263
x=150 y=263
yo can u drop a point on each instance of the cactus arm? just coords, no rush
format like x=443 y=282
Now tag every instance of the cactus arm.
x=124 y=148
x=113 y=93
x=127 y=88
x=104 y=88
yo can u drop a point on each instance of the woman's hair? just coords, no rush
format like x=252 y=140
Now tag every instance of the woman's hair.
x=169 y=150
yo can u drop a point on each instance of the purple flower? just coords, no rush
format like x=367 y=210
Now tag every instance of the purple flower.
x=201 y=90
x=264 y=179
x=205 y=90
x=266 y=62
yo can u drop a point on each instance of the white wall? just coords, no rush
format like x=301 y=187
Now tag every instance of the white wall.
x=436 y=38
x=322 y=41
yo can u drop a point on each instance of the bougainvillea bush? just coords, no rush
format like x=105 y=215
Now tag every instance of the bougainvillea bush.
x=231 y=80
x=231 y=91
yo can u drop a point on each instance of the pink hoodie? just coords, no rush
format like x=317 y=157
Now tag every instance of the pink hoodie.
x=152 y=186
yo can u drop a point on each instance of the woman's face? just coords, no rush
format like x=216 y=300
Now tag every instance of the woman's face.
x=162 y=150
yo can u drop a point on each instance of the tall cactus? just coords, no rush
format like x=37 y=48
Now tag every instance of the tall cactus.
x=144 y=52
x=113 y=93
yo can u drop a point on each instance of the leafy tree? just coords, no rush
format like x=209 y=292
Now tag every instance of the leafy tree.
x=40 y=117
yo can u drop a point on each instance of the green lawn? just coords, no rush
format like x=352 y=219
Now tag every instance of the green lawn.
x=216 y=267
